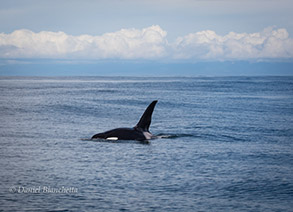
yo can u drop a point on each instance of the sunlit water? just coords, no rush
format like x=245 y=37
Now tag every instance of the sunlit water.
x=225 y=144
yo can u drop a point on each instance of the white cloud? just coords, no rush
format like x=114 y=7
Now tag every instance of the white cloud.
x=148 y=43
x=207 y=44
x=127 y=43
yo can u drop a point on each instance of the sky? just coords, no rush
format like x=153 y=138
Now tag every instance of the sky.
x=92 y=35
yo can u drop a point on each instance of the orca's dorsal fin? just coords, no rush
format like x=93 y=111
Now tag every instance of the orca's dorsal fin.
x=145 y=120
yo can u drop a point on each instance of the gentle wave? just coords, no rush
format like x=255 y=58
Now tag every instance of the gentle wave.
x=174 y=136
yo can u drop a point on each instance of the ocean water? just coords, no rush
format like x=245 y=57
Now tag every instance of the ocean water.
x=226 y=144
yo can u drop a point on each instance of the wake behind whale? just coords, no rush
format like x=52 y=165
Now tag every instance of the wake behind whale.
x=140 y=132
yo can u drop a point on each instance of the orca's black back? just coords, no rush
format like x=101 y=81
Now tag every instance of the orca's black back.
x=121 y=134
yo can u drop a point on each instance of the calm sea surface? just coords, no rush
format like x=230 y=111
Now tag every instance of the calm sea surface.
x=226 y=144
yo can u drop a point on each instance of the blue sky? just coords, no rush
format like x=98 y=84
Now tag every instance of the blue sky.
x=135 y=33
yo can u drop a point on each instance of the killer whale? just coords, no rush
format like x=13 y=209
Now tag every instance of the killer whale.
x=139 y=132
